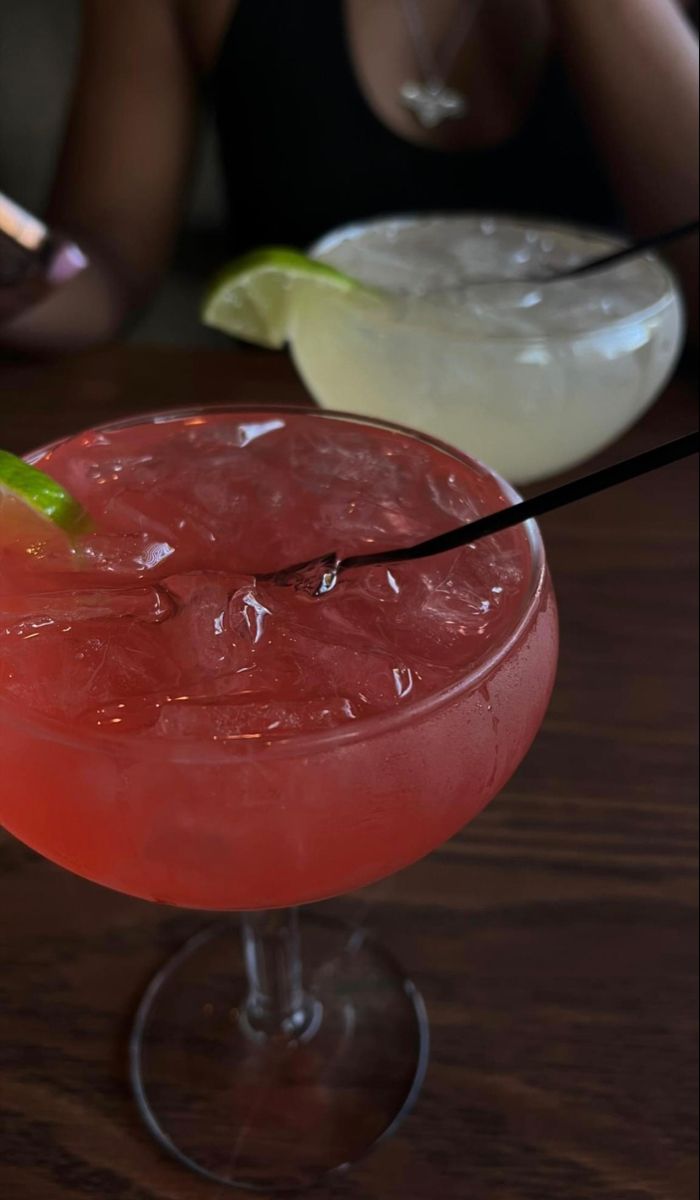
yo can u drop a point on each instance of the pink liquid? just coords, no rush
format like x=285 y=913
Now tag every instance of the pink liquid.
x=176 y=729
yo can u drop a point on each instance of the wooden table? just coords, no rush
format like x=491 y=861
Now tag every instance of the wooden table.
x=553 y=940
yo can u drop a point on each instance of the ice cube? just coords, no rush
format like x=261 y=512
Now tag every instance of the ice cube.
x=20 y=613
x=374 y=675
x=450 y=497
x=122 y=554
x=254 y=720
x=63 y=670
x=247 y=613
x=200 y=637
x=137 y=713
x=461 y=609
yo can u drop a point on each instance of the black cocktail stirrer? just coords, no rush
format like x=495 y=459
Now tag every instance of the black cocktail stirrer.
x=320 y=575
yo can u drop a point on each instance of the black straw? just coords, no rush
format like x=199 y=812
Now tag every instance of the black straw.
x=557 y=497
x=650 y=243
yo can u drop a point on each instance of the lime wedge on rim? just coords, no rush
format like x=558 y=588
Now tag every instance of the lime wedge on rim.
x=42 y=494
x=251 y=298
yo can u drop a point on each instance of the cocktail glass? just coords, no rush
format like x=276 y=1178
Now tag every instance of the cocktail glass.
x=253 y=1063
x=530 y=378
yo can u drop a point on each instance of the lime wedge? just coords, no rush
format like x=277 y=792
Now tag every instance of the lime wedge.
x=251 y=298
x=42 y=494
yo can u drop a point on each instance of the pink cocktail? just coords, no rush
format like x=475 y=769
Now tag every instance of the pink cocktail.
x=178 y=729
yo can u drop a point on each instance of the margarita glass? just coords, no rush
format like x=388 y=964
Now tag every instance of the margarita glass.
x=530 y=378
x=177 y=729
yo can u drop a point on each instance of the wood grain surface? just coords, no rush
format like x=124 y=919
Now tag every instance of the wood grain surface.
x=553 y=940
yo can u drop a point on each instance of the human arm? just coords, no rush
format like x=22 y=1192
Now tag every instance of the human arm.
x=634 y=65
x=121 y=174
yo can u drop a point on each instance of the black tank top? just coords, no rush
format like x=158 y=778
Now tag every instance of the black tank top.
x=302 y=150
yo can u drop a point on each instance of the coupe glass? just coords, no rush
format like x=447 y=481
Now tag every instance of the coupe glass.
x=530 y=378
x=253 y=1063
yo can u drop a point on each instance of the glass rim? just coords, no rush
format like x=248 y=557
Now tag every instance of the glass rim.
x=668 y=294
x=203 y=749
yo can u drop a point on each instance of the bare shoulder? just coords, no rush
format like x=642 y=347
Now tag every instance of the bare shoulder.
x=204 y=27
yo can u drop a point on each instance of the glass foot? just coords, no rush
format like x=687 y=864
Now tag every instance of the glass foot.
x=277 y=1112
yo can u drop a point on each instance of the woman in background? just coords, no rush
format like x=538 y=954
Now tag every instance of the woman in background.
x=581 y=109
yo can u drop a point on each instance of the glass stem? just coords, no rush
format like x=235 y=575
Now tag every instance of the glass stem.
x=277 y=1003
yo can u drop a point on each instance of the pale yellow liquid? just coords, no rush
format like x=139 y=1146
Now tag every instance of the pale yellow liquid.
x=528 y=378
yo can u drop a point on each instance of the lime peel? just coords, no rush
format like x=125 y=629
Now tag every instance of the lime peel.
x=43 y=494
x=251 y=297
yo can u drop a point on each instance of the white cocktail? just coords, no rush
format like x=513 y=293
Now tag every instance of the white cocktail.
x=529 y=377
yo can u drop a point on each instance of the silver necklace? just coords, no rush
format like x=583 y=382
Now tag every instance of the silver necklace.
x=430 y=99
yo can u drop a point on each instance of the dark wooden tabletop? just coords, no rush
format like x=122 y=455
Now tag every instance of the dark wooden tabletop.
x=553 y=940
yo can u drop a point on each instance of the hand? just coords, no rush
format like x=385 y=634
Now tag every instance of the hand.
x=25 y=278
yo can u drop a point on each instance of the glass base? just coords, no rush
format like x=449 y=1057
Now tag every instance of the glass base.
x=277 y=1112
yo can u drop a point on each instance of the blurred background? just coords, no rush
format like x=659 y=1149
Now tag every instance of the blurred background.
x=38 y=51
x=38 y=48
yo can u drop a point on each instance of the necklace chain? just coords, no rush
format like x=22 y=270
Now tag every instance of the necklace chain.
x=431 y=101
x=436 y=65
